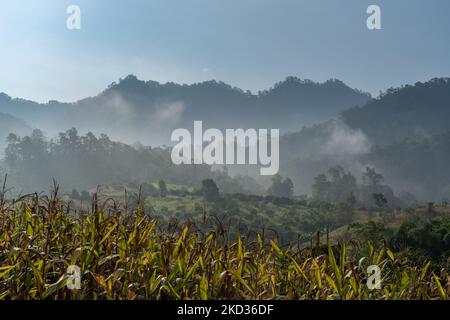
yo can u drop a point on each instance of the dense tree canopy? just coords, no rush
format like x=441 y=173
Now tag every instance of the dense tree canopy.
x=85 y=161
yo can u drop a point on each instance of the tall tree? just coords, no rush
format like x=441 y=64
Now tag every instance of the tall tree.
x=280 y=187
x=162 y=188
x=210 y=190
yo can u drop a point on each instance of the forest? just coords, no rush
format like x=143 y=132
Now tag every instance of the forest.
x=367 y=185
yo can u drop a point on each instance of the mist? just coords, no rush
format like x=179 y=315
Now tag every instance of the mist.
x=139 y=117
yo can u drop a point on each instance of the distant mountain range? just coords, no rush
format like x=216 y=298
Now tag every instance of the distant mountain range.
x=403 y=133
x=412 y=111
x=133 y=110
x=10 y=124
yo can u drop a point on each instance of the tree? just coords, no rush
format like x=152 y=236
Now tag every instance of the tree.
x=335 y=189
x=380 y=200
x=75 y=195
x=425 y=237
x=84 y=161
x=321 y=188
x=276 y=188
x=162 y=188
x=371 y=178
x=373 y=193
x=85 y=196
x=288 y=187
x=281 y=188
x=351 y=201
x=210 y=190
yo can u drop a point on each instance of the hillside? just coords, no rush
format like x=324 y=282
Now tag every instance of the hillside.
x=411 y=111
x=10 y=124
x=404 y=133
x=125 y=254
x=287 y=220
x=147 y=111
x=404 y=125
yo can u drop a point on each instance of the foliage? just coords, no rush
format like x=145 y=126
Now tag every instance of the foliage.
x=162 y=188
x=425 y=238
x=210 y=190
x=340 y=187
x=128 y=255
x=280 y=187
x=412 y=111
x=85 y=161
x=337 y=187
x=370 y=231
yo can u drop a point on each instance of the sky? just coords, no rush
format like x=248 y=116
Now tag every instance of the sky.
x=251 y=44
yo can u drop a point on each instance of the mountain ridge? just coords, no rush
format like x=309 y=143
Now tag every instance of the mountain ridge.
x=127 y=108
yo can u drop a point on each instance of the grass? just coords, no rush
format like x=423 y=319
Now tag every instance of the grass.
x=285 y=220
x=129 y=255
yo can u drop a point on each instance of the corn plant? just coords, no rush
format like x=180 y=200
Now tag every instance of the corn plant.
x=125 y=254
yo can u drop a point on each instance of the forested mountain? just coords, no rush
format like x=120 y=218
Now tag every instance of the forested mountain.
x=403 y=133
x=10 y=124
x=418 y=166
x=134 y=110
x=411 y=111
x=82 y=162
x=313 y=150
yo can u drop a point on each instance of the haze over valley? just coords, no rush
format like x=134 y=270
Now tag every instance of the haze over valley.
x=323 y=125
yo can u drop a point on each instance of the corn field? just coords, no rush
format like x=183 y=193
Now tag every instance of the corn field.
x=125 y=254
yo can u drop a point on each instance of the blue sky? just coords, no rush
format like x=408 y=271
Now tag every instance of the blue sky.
x=247 y=43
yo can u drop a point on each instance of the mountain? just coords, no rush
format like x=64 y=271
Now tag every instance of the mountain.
x=417 y=166
x=9 y=124
x=411 y=111
x=147 y=111
x=313 y=150
x=404 y=134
